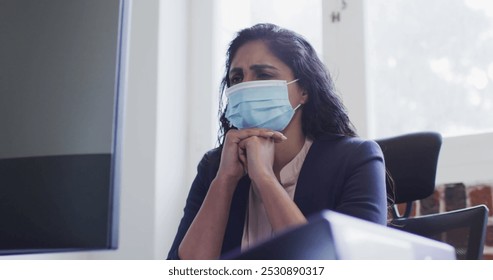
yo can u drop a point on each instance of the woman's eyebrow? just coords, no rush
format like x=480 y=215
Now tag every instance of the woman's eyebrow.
x=257 y=67
x=235 y=71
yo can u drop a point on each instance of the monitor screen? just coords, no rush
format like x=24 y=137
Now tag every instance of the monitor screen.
x=61 y=95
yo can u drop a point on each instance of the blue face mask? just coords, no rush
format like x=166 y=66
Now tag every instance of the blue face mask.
x=261 y=104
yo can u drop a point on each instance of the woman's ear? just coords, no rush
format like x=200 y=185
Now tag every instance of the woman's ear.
x=304 y=97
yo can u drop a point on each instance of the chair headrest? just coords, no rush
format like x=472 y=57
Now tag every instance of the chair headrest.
x=411 y=160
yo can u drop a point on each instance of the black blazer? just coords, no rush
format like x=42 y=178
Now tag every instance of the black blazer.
x=344 y=174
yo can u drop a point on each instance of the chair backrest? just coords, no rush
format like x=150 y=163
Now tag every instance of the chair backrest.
x=411 y=160
x=464 y=229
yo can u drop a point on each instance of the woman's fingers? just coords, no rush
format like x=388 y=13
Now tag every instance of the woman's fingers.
x=259 y=155
x=278 y=137
x=239 y=135
x=243 y=158
x=234 y=158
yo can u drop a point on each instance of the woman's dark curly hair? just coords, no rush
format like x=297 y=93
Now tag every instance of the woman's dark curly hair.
x=324 y=112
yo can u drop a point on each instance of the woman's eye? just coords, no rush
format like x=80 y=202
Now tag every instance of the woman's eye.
x=235 y=80
x=264 y=76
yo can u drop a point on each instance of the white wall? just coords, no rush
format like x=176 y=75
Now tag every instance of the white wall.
x=344 y=56
x=173 y=118
x=467 y=159
x=202 y=83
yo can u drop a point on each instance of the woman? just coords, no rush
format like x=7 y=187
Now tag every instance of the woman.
x=287 y=151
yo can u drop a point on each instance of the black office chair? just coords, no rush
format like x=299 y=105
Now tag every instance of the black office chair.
x=411 y=160
x=464 y=229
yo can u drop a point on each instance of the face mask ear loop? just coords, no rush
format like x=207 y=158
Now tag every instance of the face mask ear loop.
x=293 y=81
x=296 y=108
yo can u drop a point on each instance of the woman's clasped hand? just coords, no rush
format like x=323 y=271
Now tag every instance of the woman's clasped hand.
x=249 y=151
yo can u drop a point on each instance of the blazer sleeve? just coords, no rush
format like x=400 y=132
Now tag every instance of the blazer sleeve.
x=205 y=173
x=364 y=193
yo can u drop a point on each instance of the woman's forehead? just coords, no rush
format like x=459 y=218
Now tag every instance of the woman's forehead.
x=256 y=53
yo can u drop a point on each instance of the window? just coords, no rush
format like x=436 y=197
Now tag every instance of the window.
x=405 y=66
x=430 y=66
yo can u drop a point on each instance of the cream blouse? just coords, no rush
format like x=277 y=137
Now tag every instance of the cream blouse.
x=257 y=226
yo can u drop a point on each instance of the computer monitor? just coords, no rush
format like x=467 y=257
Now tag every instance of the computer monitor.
x=62 y=83
x=330 y=235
